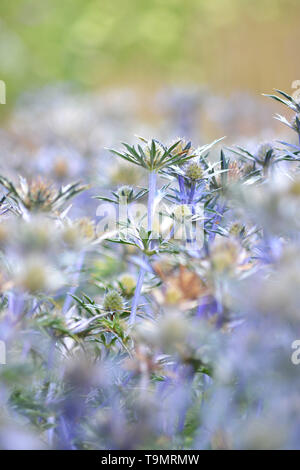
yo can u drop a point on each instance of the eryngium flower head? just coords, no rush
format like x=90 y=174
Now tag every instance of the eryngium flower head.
x=183 y=147
x=225 y=254
x=182 y=211
x=235 y=171
x=37 y=274
x=113 y=302
x=79 y=232
x=125 y=191
x=153 y=155
x=38 y=195
x=127 y=283
x=193 y=171
x=125 y=194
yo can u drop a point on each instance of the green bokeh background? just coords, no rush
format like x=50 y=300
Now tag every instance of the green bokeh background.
x=227 y=44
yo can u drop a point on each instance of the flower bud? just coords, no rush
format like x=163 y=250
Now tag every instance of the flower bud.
x=193 y=171
x=113 y=302
x=128 y=284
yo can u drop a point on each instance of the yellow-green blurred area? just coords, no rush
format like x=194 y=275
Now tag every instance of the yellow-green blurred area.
x=227 y=44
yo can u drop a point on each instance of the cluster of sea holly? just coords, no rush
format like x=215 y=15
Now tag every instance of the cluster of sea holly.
x=136 y=338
